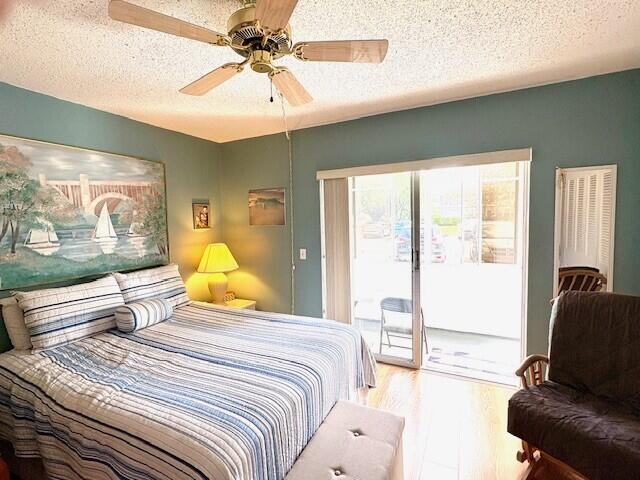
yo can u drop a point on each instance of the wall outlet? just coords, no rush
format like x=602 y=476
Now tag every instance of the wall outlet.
x=303 y=254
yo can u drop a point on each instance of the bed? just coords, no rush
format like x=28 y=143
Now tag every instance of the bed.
x=211 y=393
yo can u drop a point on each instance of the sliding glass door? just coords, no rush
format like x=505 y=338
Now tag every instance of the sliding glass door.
x=472 y=268
x=429 y=263
x=382 y=265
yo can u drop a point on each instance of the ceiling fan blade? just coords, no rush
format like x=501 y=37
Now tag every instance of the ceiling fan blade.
x=361 y=51
x=274 y=14
x=212 y=79
x=290 y=87
x=143 y=17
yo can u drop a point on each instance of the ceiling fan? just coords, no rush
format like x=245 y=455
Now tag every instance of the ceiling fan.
x=259 y=32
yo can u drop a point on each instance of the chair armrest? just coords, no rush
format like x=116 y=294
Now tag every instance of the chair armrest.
x=534 y=366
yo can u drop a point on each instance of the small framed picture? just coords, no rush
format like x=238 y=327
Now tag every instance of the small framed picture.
x=201 y=214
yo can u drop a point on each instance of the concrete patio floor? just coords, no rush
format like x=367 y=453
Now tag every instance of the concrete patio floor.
x=484 y=357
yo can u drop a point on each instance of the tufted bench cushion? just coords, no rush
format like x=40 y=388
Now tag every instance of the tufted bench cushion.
x=353 y=443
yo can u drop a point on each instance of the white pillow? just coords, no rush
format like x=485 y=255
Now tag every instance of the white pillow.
x=161 y=282
x=14 y=323
x=58 y=316
x=137 y=315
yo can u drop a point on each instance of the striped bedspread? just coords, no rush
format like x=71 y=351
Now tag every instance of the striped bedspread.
x=211 y=393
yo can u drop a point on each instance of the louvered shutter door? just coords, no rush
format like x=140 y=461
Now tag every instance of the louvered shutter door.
x=592 y=226
x=606 y=220
x=587 y=207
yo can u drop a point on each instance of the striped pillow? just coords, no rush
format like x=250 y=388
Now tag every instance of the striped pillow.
x=143 y=314
x=14 y=323
x=161 y=282
x=58 y=316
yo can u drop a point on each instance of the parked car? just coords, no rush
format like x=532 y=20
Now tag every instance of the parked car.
x=402 y=249
x=437 y=245
x=469 y=238
x=376 y=230
x=402 y=231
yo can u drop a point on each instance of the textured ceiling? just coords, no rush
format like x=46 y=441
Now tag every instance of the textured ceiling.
x=439 y=50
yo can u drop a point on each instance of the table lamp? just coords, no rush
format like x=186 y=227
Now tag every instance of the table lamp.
x=217 y=260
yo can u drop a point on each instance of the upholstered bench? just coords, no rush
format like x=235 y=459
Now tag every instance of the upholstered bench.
x=353 y=443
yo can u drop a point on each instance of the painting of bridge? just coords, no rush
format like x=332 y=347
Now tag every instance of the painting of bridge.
x=67 y=213
x=91 y=195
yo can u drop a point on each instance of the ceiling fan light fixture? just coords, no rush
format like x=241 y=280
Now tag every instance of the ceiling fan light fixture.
x=260 y=32
x=246 y=34
x=261 y=61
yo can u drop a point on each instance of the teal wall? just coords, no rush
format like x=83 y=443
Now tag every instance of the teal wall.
x=263 y=252
x=593 y=121
x=192 y=165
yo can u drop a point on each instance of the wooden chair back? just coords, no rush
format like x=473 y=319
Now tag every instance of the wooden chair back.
x=583 y=279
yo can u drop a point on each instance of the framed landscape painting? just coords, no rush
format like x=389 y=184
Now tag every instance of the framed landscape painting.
x=67 y=213
x=267 y=206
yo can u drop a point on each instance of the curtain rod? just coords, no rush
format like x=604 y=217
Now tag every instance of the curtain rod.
x=501 y=156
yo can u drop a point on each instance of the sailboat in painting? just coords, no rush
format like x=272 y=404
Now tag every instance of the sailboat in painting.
x=43 y=241
x=105 y=234
x=136 y=240
x=135 y=227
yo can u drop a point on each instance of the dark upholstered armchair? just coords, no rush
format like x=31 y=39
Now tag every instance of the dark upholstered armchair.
x=582 y=416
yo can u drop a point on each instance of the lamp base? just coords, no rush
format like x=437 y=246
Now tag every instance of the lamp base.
x=218 y=287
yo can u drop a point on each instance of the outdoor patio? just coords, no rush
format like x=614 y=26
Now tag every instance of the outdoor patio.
x=472 y=313
x=471 y=270
x=484 y=357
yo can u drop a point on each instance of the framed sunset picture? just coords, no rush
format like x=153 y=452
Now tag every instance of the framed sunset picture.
x=267 y=206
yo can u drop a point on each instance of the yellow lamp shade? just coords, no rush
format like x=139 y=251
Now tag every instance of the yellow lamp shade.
x=217 y=259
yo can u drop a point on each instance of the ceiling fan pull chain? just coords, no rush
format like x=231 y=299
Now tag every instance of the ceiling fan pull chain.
x=271 y=82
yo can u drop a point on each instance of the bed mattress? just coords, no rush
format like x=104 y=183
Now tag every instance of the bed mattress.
x=211 y=393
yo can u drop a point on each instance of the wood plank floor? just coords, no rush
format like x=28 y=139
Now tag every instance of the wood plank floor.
x=455 y=429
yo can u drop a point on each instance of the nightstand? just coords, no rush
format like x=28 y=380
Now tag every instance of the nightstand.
x=241 y=303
